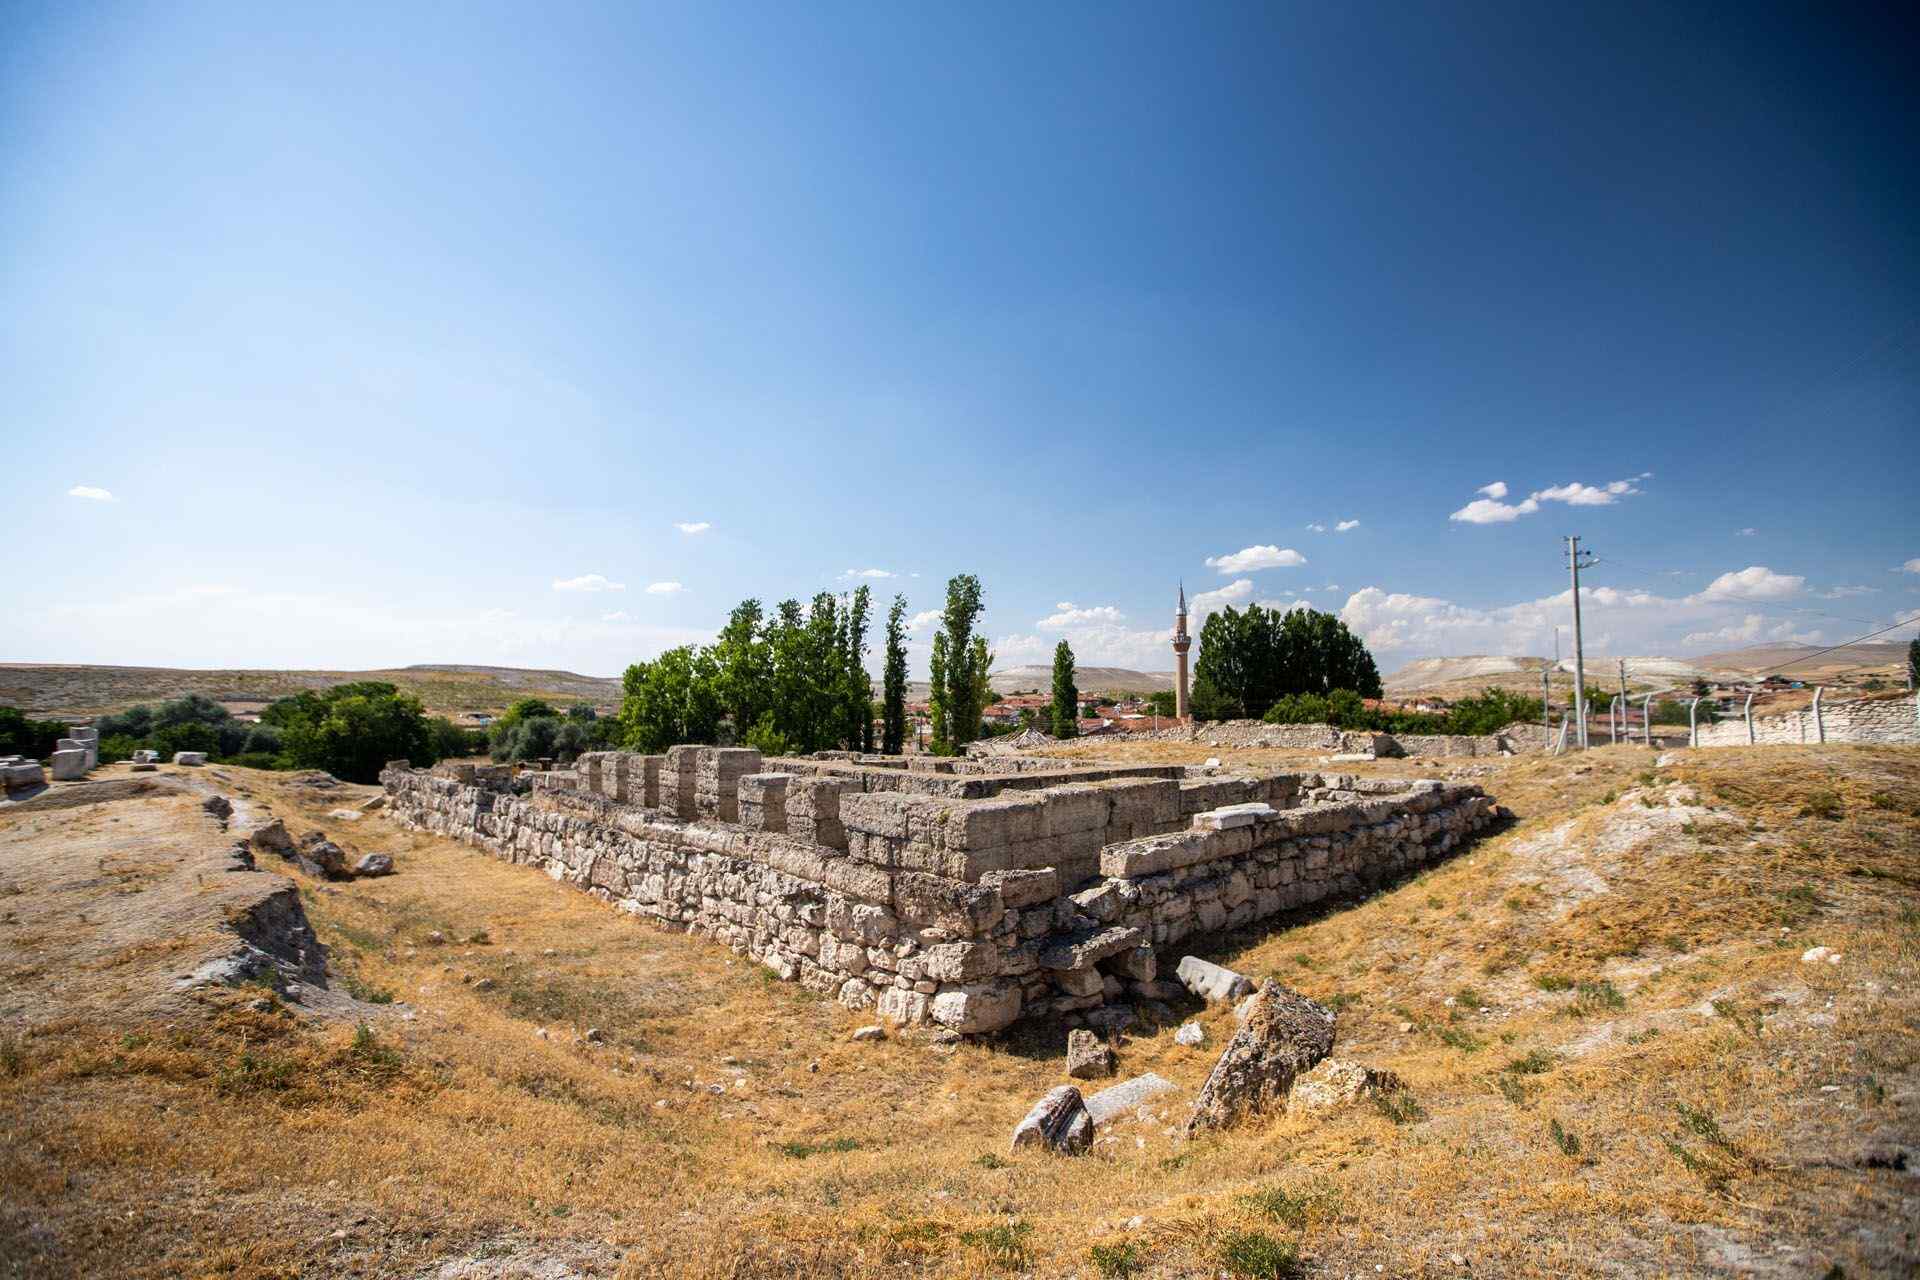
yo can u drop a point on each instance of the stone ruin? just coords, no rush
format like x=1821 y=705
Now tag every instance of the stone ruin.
x=963 y=893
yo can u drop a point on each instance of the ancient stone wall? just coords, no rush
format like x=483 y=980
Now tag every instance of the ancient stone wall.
x=965 y=912
x=1856 y=720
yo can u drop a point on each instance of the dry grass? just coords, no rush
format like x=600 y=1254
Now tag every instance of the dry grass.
x=1617 y=1065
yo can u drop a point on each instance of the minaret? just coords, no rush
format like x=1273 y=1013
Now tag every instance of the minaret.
x=1181 y=643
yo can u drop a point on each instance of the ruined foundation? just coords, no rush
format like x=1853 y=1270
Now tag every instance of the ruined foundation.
x=942 y=891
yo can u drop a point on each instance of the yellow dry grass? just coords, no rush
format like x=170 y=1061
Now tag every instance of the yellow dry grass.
x=1617 y=1064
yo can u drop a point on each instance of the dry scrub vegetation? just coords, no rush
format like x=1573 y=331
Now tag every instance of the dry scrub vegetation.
x=1617 y=1064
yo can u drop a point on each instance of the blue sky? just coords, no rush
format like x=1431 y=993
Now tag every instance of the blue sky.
x=394 y=331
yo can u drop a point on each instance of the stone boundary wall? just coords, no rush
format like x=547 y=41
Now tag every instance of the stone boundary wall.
x=1856 y=720
x=966 y=913
x=1326 y=737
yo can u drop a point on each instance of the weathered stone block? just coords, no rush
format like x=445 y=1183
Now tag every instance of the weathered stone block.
x=972 y=1010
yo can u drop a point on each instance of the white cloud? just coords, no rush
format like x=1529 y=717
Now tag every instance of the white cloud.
x=1844 y=591
x=693 y=526
x=588 y=582
x=1911 y=566
x=664 y=588
x=618 y=615
x=924 y=619
x=1755 y=582
x=1212 y=601
x=1249 y=559
x=1068 y=616
x=1345 y=525
x=1490 y=510
x=1316 y=528
x=867 y=573
x=90 y=492
x=1753 y=629
x=1748 y=532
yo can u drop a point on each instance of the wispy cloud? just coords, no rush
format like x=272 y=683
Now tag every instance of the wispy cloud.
x=618 y=615
x=1345 y=525
x=589 y=582
x=664 y=588
x=1498 y=489
x=92 y=493
x=1748 y=532
x=1316 y=528
x=869 y=573
x=693 y=526
x=1844 y=592
x=1248 y=559
x=1911 y=566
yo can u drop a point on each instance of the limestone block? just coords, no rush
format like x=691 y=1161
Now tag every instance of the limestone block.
x=979 y=1008
x=763 y=801
x=1087 y=1056
x=1023 y=888
x=1210 y=981
x=1234 y=815
x=1284 y=1034
x=1126 y=1097
x=69 y=764
x=962 y=961
x=20 y=777
x=1083 y=950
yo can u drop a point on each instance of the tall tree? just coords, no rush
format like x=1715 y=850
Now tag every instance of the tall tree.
x=856 y=685
x=980 y=697
x=745 y=664
x=1066 y=696
x=964 y=684
x=937 y=695
x=893 y=718
x=1913 y=662
x=1251 y=658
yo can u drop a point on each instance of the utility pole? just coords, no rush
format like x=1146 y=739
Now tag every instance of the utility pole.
x=1574 y=564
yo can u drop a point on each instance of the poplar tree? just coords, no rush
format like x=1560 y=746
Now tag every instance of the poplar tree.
x=937 y=695
x=1066 y=698
x=893 y=716
x=963 y=684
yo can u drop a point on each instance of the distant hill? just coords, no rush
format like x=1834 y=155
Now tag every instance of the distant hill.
x=1087 y=679
x=54 y=690
x=1453 y=677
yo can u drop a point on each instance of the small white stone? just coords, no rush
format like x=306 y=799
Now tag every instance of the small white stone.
x=1191 y=1033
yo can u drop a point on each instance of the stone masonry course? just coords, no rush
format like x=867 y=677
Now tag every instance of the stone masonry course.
x=1023 y=893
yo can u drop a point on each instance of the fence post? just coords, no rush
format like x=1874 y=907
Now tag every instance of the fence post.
x=1646 y=718
x=1749 y=715
x=1693 y=723
x=1819 y=721
x=1613 y=721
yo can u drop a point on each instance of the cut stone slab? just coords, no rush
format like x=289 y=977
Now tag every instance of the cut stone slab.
x=69 y=765
x=1058 y=1122
x=1212 y=982
x=1229 y=816
x=1127 y=1097
x=1087 y=1056
x=1284 y=1035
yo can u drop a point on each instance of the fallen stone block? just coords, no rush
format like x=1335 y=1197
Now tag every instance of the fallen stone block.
x=1227 y=817
x=867 y=1033
x=1087 y=1055
x=976 y=1009
x=189 y=757
x=69 y=765
x=23 y=777
x=1126 y=1097
x=1336 y=1082
x=1058 y=1122
x=344 y=815
x=374 y=864
x=272 y=838
x=1284 y=1035
x=1210 y=981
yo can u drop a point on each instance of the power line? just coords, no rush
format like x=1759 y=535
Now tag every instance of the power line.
x=1808 y=657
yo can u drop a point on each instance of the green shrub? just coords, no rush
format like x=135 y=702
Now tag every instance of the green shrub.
x=1256 y=1256
x=1114 y=1261
x=35 y=739
x=255 y=760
